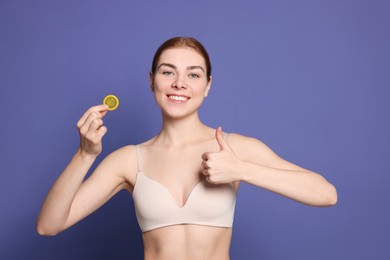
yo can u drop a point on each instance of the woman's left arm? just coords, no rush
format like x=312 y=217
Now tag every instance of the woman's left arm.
x=248 y=159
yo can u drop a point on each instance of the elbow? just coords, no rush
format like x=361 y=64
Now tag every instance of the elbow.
x=334 y=197
x=325 y=197
x=46 y=231
x=330 y=198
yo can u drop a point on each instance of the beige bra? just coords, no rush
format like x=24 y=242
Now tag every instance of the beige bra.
x=207 y=204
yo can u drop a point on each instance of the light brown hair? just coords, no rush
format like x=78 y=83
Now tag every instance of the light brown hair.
x=178 y=42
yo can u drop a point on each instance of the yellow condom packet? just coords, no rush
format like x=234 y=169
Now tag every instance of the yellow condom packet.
x=112 y=101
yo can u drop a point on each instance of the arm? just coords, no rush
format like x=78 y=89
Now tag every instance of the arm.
x=255 y=163
x=70 y=199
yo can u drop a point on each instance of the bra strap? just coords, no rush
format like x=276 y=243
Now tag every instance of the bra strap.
x=139 y=159
x=225 y=135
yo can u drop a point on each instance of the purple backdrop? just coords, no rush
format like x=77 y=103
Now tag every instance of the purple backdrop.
x=308 y=78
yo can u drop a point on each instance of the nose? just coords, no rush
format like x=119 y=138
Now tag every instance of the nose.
x=179 y=83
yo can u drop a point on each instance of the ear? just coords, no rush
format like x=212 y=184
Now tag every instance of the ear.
x=151 y=76
x=208 y=87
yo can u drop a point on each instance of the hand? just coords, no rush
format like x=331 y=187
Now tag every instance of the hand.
x=91 y=130
x=222 y=166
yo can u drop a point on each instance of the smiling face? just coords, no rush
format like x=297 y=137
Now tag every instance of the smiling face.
x=180 y=82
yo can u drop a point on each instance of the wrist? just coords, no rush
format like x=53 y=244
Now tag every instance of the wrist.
x=82 y=155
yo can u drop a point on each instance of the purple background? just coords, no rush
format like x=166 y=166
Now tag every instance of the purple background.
x=308 y=78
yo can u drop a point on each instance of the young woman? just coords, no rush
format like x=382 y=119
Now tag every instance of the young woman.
x=184 y=180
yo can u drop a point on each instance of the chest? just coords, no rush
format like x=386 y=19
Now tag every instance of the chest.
x=180 y=165
x=176 y=170
x=170 y=189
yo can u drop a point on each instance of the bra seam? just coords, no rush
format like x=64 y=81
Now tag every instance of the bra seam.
x=195 y=223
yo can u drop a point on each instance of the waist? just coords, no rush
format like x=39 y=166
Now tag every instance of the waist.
x=187 y=242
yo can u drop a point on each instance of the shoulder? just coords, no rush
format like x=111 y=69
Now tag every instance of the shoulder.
x=127 y=152
x=123 y=162
x=251 y=149
x=246 y=142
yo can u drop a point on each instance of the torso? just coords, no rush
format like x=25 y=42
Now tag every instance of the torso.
x=187 y=242
x=178 y=170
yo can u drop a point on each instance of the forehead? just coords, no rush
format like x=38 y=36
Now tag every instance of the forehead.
x=182 y=56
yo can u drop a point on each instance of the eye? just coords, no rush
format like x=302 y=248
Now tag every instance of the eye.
x=168 y=73
x=194 y=75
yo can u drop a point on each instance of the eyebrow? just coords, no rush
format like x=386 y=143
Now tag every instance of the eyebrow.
x=174 y=67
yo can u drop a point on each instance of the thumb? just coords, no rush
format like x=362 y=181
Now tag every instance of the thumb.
x=221 y=141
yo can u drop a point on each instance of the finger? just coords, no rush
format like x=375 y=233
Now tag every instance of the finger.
x=87 y=124
x=95 y=124
x=205 y=156
x=205 y=165
x=223 y=145
x=104 y=113
x=102 y=109
x=205 y=172
x=100 y=133
x=209 y=180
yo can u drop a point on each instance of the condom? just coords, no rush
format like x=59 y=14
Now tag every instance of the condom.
x=112 y=102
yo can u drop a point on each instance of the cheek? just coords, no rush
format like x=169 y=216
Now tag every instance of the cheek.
x=158 y=87
x=161 y=83
x=158 y=93
x=201 y=89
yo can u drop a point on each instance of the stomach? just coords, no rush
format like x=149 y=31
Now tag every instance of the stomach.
x=187 y=242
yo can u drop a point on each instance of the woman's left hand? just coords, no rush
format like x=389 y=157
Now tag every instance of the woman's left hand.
x=222 y=166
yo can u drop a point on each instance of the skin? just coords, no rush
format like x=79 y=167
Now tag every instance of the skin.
x=184 y=145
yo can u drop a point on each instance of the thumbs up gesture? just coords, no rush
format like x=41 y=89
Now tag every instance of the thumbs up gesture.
x=222 y=166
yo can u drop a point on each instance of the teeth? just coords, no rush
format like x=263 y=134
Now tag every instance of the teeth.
x=177 y=98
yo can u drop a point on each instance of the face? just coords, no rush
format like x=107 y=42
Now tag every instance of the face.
x=180 y=82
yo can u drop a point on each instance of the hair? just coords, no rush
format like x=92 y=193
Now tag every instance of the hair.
x=178 y=42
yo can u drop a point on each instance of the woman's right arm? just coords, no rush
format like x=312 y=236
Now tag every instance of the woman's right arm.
x=70 y=199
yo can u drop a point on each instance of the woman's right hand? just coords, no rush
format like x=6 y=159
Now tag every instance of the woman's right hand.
x=92 y=130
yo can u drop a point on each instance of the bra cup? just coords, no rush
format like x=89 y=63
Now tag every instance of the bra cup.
x=211 y=201
x=151 y=201
x=207 y=204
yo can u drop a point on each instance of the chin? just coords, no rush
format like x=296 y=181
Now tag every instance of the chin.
x=175 y=115
x=178 y=113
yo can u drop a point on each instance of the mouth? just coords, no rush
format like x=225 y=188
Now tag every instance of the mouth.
x=177 y=98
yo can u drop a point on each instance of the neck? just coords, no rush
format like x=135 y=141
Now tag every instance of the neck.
x=182 y=131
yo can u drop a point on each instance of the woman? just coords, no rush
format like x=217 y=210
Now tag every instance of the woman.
x=184 y=180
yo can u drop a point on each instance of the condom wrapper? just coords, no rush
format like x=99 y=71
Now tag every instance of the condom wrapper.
x=112 y=102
